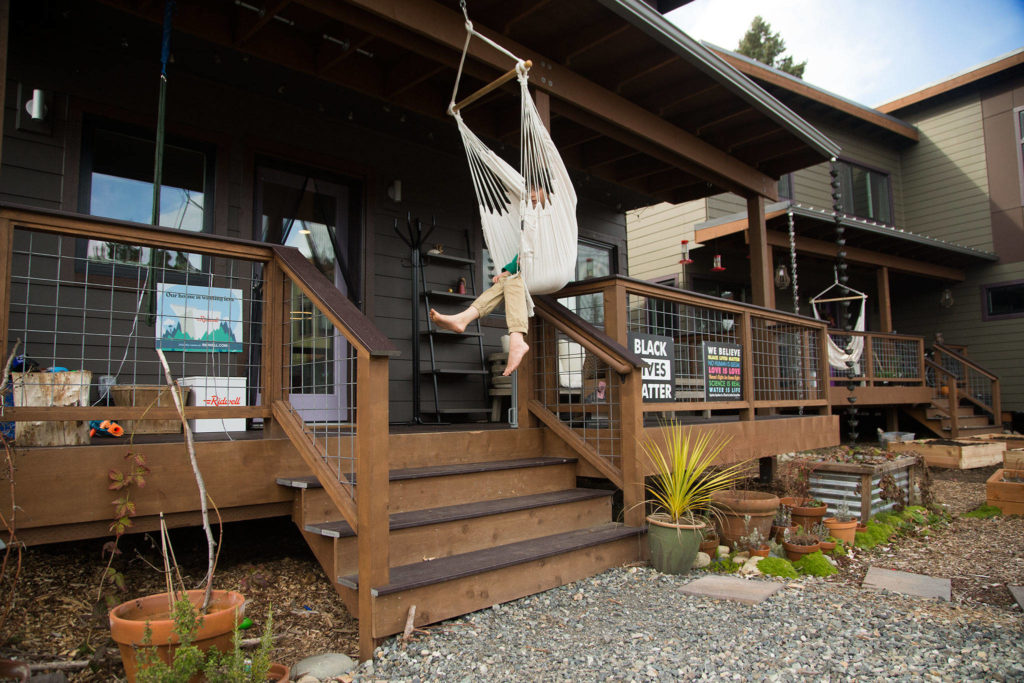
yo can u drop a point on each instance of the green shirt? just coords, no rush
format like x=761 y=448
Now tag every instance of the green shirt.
x=513 y=266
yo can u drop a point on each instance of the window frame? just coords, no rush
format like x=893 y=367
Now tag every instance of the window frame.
x=1018 y=126
x=985 y=314
x=92 y=124
x=847 y=162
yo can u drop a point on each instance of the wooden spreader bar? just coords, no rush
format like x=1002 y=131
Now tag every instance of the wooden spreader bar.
x=490 y=87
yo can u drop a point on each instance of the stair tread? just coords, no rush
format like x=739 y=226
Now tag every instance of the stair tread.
x=311 y=482
x=429 y=572
x=451 y=513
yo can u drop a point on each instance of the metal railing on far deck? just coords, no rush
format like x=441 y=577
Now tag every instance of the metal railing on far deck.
x=888 y=359
x=955 y=377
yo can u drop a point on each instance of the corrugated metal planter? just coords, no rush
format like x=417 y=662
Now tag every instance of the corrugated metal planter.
x=834 y=482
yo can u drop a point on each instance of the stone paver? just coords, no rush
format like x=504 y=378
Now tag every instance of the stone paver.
x=731 y=588
x=1018 y=594
x=907 y=583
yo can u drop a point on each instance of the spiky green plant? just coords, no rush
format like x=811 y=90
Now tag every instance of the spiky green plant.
x=685 y=472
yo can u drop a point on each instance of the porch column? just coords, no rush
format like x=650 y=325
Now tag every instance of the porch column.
x=884 y=302
x=5 y=15
x=760 y=259
x=543 y=102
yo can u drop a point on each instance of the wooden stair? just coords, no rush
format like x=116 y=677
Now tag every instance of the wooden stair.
x=936 y=418
x=472 y=532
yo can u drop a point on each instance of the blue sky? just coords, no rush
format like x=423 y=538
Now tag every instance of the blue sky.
x=869 y=51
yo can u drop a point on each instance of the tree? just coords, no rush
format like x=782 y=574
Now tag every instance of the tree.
x=766 y=47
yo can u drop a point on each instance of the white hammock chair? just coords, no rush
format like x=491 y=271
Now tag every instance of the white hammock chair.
x=838 y=357
x=532 y=213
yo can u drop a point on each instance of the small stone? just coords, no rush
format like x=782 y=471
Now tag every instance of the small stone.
x=307 y=679
x=741 y=557
x=324 y=666
x=722 y=550
x=703 y=560
x=578 y=596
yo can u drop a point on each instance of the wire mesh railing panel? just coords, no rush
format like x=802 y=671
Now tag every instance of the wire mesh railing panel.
x=690 y=327
x=590 y=307
x=895 y=360
x=784 y=361
x=319 y=381
x=98 y=311
x=579 y=388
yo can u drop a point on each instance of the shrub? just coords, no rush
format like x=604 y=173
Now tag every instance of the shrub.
x=777 y=566
x=814 y=564
x=725 y=565
x=876 y=534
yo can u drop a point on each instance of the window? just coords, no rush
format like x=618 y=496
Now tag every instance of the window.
x=1018 y=122
x=593 y=259
x=117 y=182
x=1005 y=300
x=866 y=193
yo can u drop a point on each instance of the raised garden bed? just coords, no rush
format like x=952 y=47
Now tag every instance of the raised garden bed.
x=1011 y=440
x=861 y=484
x=1014 y=459
x=1005 y=490
x=962 y=455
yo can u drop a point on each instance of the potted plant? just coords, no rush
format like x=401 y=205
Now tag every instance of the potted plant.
x=680 y=492
x=844 y=525
x=734 y=506
x=799 y=544
x=782 y=524
x=709 y=543
x=810 y=512
x=755 y=543
x=147 y=625
x=825 y=540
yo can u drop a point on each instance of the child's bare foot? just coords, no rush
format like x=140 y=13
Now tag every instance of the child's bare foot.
x=517 y=349
x=455 y=323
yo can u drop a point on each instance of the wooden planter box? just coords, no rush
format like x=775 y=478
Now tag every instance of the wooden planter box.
x=1011 y=440
x=963 y=455
x=1008 y=496
x=1014 y=460
x=834 y=482
x=148 y=396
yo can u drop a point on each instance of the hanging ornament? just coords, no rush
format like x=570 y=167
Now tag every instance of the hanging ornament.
x=781 y=277
x=717 y=267
x=685 y=260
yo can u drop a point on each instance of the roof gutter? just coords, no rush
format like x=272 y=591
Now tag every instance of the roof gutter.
x=663 y=31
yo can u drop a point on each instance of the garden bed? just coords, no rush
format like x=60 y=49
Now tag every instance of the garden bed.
x=1005 y=490
x=961 y=455
x=864 y=485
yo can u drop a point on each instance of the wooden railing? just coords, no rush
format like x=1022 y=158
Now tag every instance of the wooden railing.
x=782 y=363
x=888 y=359
x=965 y=379
x=67 y=308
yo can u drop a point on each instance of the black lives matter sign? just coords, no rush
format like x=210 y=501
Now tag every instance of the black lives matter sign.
x=723 y=372
x=658 y=383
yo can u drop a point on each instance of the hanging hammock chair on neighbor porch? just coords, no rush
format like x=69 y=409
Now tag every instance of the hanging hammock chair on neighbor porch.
x=838 y=357
x=531 y=212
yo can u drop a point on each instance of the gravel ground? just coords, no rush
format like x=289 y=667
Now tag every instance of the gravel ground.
x=635 y=625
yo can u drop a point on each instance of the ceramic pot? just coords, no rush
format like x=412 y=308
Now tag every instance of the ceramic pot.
x=794 y=552
x=279 y=673
x=128 y=622
x=844 y=531
x=735 y=505
x=760 y=552
x=826 y=546
x=807 y=517
x=709 y=546
x=673 y=546
x=779 y=532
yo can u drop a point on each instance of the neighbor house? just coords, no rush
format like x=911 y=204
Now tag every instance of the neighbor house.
x=930 y=202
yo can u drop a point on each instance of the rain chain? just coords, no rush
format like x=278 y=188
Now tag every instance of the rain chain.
x=851 y=372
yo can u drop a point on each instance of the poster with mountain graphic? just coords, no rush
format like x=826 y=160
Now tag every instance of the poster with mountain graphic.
x=191 y=318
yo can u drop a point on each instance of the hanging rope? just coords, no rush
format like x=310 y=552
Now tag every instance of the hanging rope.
x=843 y=278
x=792 y=262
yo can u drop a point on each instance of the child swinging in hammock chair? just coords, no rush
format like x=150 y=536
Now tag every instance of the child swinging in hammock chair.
x=506 y=288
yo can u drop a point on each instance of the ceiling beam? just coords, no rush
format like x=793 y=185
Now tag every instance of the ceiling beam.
x=248 y=29
x=627 y=120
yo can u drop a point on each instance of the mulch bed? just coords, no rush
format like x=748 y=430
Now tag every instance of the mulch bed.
x=57 y=616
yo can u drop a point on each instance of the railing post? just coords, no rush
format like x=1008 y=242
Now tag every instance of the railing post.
x=869 y=360
x=954 y=406
x=997 y=407
x=271 y=368
x=372 y=489
x=616 y=312
x=920 y=362
x=525 y=379
x=6 y=255
x=632 y=425
x=747 y=371
x=825 y=368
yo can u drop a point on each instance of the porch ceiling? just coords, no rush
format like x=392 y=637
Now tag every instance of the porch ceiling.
x=866 y=242
x=634 y=101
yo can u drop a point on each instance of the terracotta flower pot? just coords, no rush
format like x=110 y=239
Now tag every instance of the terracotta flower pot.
x=709 y=546
x=278 y=673
x=794 y=552
x=128 y=623
x=760 y=552
x=673 y=546
x=844 y=531
x=826 y=546
x=779 y=532
x=807 y=517
x=735 y=505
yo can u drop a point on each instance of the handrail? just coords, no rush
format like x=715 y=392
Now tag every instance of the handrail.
x=964 y=360
x=335 y=305
x=953 y=396
x=582 y=332
x=110 y=230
